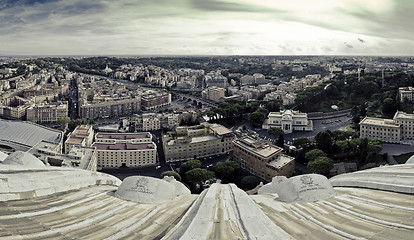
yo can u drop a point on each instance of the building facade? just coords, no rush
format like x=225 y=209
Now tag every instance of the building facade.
x=115 y=150
x=199 y=141
x=400 y=128
x=213 y=93
x=47 y=113
x=152 y=121
x=406 y=94
x=262 y=158
x=288 y=121
x=155 y=100
x=81 y=136
x=110 y=109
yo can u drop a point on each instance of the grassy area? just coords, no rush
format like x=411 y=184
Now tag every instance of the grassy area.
x=401 y=159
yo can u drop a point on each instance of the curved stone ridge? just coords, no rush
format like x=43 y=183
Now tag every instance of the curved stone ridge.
x=149 y=190
x=304 y=188
x=20 y=182
x=23 y=159
x=2 y=156
x=396 y=178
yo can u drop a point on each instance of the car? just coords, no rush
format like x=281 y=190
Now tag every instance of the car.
x=158 y=167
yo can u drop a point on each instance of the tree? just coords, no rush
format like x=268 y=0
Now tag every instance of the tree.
x=198 y=176
x=257 y=117
x=249 y=182
x=171 y=173
x=321 y=165
x=281 y=140
x=275 y=131
x=226 y=169
x=388 y=106
x=302 y=142
x=63 y=121
x=189 y=165
x=362 y=110
x=324 y=141
x=355 y=116
x=314 y=154
x=374 y=145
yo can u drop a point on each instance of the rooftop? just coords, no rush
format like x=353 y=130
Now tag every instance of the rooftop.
x=27 y=133
x=123 y=136
x=260 y=147
x=77 y=204
x=403 y=115
x=124 y=146
x=281 y=161
x=380 y=122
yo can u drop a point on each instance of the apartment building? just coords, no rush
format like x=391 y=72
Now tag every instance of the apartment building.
x=384 y=129
x=47 y=113
x=213 y=93
x=288 y=121
x=81 y=136
x=406 y=94
x=153 y=100
x=110 y=109
x=197 y=142
x=153 y=121
x=262 y=158
x=398 y=129
x=14 y=108
x=116 y=150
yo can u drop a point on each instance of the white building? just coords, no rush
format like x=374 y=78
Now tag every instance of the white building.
x=116 y=150
x=398 y=129
x=213 y=93
x=81 y=136
x=288 y=121
x=406 y=94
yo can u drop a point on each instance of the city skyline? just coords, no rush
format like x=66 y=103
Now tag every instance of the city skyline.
x=206 y=27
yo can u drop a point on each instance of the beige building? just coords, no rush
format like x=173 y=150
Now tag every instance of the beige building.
x=152 y=121
x=406 y=94
x=81 y=136
x=14 y=108
x=47 y=113
x=288 y=121
x=400 y=128
x=77 y=157
x=197 y=142
x=116 y=150
x=110 y=109
x=213 y=93
x=262 y=158
x=153 y=100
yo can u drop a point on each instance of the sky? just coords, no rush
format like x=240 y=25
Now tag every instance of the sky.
x=207 y=27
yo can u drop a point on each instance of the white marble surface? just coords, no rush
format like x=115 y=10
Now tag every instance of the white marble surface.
x=23 y=159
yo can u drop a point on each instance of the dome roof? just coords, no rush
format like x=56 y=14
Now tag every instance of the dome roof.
x=410 y=160
x=149 y=190
x=23 y=159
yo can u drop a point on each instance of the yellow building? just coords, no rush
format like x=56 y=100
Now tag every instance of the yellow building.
x=81 y=136
x=116 y=150
x=398 y=129
x=262 y=158
x=197 y=142
x=47 y=113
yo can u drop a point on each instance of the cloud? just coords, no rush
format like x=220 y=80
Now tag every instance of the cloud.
x=207 y=27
